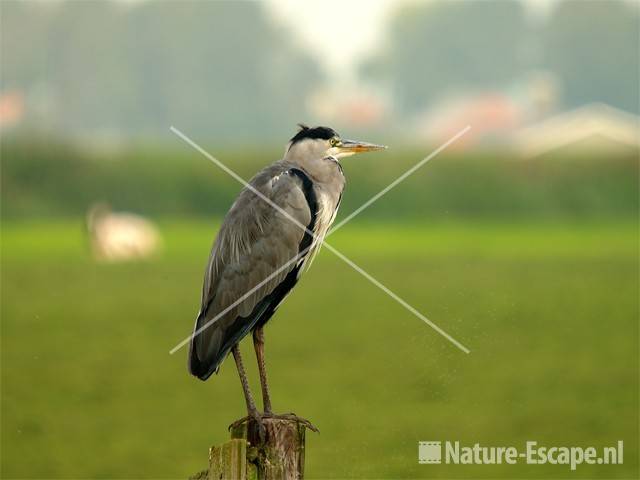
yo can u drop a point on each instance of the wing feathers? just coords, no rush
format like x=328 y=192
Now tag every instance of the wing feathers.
x=254 y=241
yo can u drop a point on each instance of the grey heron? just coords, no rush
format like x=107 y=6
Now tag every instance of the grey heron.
x=256 y=239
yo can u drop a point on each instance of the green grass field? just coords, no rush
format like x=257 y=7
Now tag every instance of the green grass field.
x=549 y=312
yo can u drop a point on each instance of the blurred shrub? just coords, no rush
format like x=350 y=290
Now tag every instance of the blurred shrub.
x=46 y=178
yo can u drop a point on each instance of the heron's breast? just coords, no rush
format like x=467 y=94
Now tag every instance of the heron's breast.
x=327 y=207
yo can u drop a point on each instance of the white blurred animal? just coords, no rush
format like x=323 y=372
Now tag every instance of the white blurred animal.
x=120 y=236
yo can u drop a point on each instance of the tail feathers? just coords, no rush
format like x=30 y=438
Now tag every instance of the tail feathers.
x=210 y=347
x=196 y=367
x=199 y=365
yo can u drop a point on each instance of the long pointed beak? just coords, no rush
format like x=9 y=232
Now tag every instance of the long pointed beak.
x=353 y=146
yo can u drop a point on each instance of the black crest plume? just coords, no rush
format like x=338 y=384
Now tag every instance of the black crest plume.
x=316 y=132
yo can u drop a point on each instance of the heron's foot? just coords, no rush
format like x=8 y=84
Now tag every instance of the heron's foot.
x=292 y=417
x=262 y=431
x=237 y=423
x=257 y=419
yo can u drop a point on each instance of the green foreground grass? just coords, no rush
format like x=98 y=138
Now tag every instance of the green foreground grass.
x=549 y=312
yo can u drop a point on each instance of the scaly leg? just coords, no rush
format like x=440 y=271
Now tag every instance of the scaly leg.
x=251 y=406
x=258 y=343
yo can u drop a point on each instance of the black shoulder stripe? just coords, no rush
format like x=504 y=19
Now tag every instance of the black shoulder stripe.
x=263 y=311
x=312 y=201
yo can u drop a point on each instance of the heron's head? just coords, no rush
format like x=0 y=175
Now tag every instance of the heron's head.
x=321 y=142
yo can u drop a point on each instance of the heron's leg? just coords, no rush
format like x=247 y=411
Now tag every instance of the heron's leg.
x=258 y=343
x=251 y=406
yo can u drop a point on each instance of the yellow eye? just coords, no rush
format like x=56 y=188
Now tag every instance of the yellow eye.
x=334 y=142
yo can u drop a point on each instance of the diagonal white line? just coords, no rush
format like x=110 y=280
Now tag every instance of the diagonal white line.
x=400 y=178
x=246 y=184
x=246 y=295
x=399 y=300
x=242 y=181
x=332 y=249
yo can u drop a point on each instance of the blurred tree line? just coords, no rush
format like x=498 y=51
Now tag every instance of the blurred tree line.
x=45 y=178
x=217 y=67
x=432 y=48
x=225 y=70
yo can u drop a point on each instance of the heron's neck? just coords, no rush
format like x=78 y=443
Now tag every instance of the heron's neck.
x=323 y=170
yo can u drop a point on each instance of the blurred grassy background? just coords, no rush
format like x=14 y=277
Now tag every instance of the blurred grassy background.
x=531 y=264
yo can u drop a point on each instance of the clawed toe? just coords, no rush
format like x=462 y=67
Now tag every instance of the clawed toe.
x=257 y=419
x=295 y=418
x=262 y=433
x=237 y=423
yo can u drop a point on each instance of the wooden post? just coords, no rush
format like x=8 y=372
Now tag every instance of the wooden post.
x=281 y=456
x=229 y=461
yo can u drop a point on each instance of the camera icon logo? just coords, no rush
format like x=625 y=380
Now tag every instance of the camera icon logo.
x=429 y=452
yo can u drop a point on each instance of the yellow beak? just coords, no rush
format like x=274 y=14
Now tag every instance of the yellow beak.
x=353 y=146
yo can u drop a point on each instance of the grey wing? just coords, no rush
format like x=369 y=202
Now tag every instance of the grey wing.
x=241 y=285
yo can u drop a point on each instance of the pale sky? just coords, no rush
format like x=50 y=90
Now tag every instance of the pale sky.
x=338 y=32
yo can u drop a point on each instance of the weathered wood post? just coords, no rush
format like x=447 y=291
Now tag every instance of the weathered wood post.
x=281 y=456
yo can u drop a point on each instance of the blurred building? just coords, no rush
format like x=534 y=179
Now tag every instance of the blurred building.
x=594 y=127
x=494 y=115
x=11 y=108
x=526 y=118
x=356 y=105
